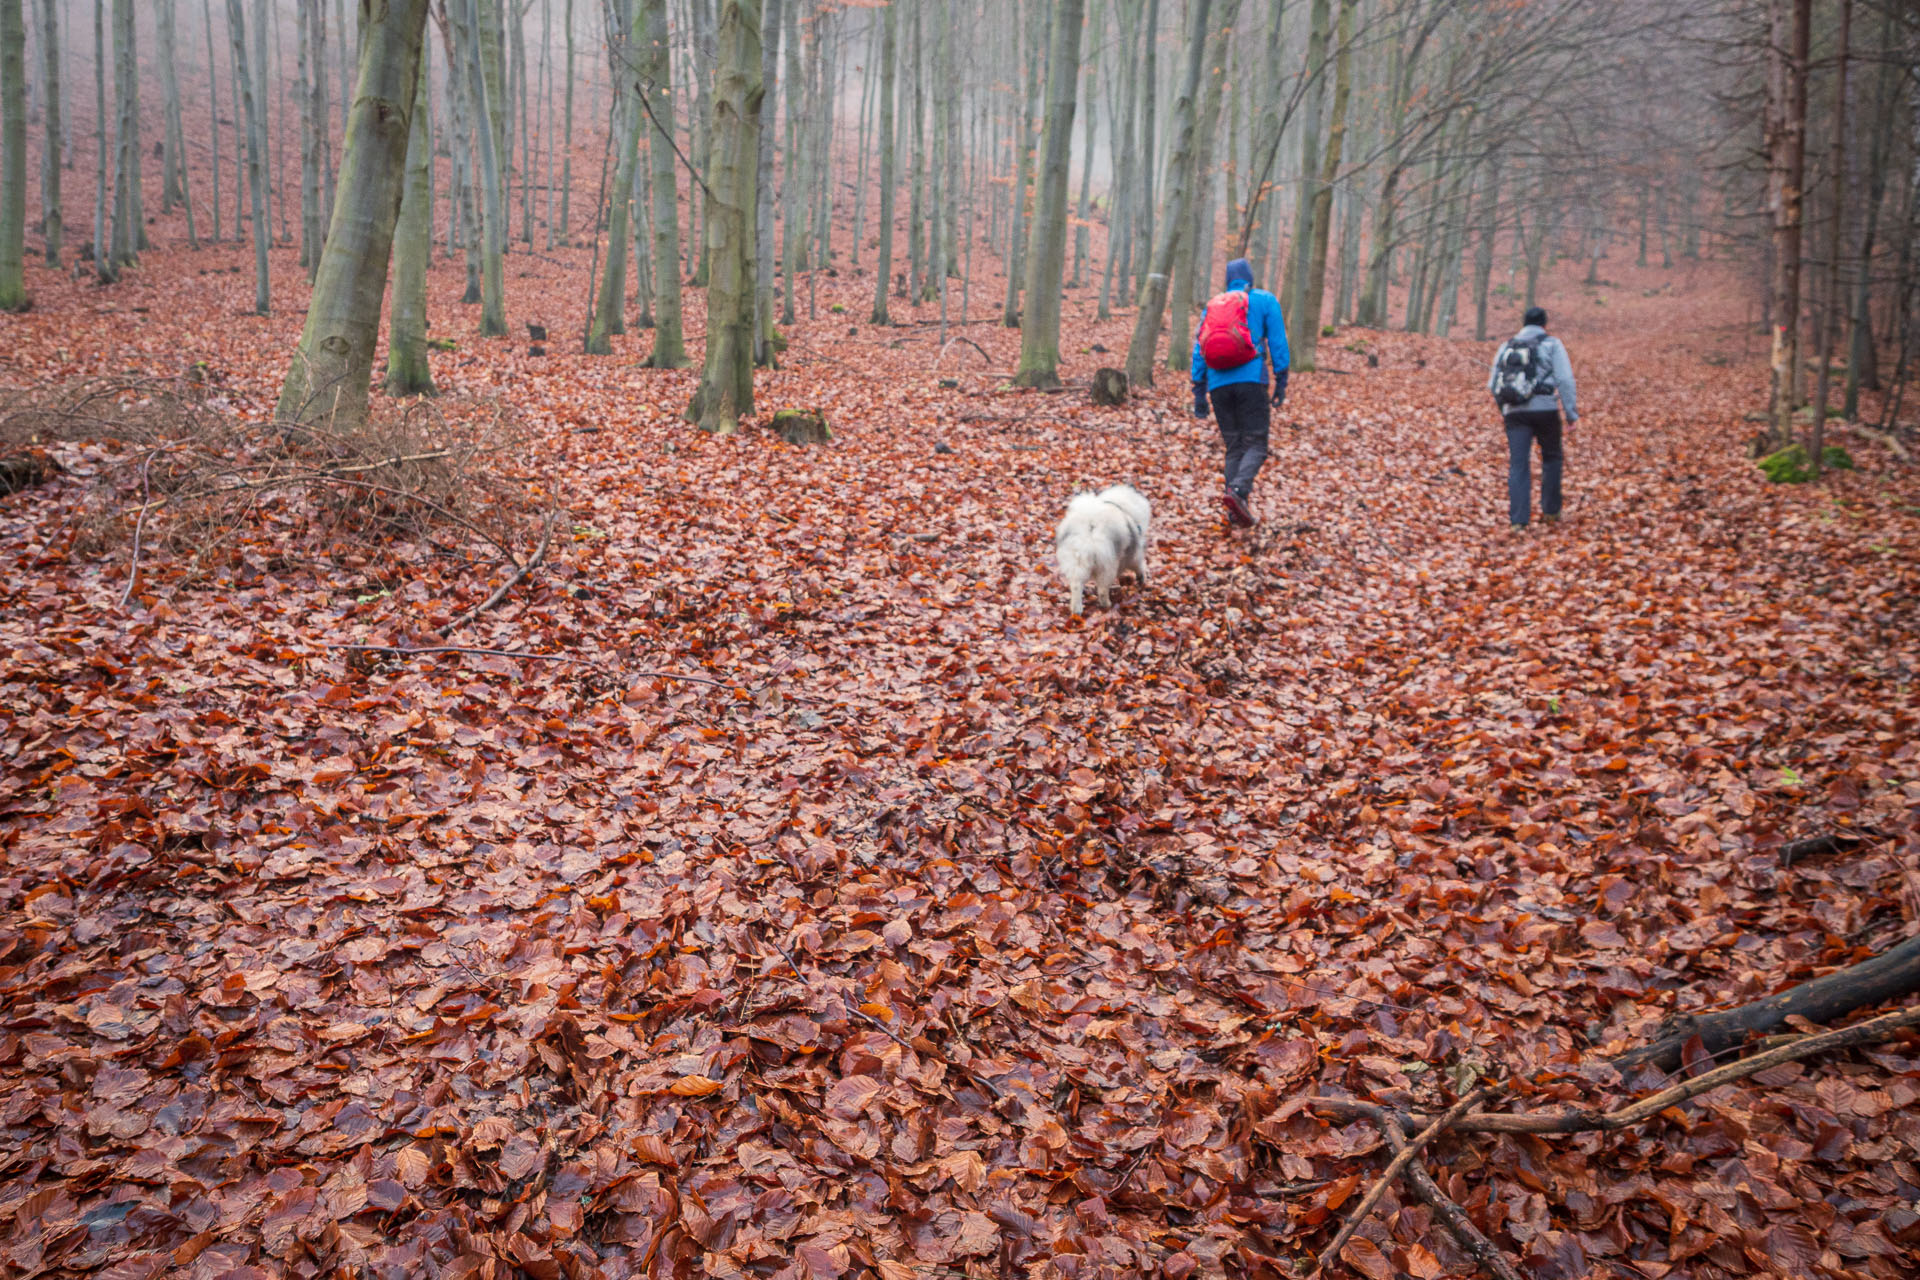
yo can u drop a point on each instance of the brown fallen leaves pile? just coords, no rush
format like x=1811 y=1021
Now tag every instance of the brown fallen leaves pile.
x=945 y=935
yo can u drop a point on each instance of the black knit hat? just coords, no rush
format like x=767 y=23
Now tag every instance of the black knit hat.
x=1535 y=315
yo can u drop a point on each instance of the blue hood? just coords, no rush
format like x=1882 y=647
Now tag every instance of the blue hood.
x=1239 y=271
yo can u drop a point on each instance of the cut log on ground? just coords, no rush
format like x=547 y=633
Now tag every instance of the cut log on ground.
x=1888 y=976
x=1109 y=387
x=802 y=426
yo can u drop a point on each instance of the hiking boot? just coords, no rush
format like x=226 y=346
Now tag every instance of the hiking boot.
x=1238 y=513
x=1551 y=517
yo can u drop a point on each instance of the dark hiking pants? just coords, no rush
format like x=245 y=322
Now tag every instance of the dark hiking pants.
x=1241 y=410
x=1523 y=428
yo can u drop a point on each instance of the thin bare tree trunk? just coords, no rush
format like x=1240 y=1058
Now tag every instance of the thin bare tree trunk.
x=1786 y=152
x=1046 y=260
x=256 y=168
x=883 y=272
x=493 y=303
x=764 y=354
x=51 y=216
x=609 y=313
x=104 y=268
x=669 y=346
x=1837 y=158
x=1153 y=298
x=13 y=157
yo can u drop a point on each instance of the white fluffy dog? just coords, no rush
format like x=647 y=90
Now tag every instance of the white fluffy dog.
x=1102 y=536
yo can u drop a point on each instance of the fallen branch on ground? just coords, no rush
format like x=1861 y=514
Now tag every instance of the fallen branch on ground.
x=1395 y=1167
x=1888 y=976
x=1582 y=1120
x=519 y=573
x=1451 y=1215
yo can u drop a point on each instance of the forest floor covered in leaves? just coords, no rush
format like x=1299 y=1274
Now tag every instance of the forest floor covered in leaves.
x=943 y=933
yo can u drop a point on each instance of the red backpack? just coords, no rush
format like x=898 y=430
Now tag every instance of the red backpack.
x=1226 y=342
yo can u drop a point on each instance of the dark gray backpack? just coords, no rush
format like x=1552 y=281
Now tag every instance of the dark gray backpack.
x=1523 y=372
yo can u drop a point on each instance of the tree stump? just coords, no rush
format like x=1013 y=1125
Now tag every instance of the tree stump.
x=1109 y=387
x=802 y=426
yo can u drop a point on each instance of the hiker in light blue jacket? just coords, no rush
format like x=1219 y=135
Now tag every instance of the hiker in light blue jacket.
x=1530 y=394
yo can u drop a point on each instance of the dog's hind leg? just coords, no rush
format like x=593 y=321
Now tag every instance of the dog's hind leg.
x=1078 y=590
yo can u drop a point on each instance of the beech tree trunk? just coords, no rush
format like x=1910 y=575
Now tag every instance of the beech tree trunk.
x=1153 y=298
x=725 y=394
x=1789 y=22
x=256 y=167
x=104 y=269
x=669 y=346
x=1046 y=263
x=13 y=157
x=763 y=344
x=1831 y=323
x=51 y=217
x=126 y=167
x=609 y=312
x=883 y=272
x=1296 y=294
x=1316 y=288
x=331 y=373
x=213 y=110
x=493 y=215
x=408 y=373
x=1183 y=294
x=1023 y=178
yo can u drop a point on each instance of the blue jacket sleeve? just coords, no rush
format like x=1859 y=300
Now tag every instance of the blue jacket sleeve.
x=1278 y=357
x=1199 y=375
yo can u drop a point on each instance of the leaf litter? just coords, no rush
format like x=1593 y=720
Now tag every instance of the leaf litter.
x=948 y=935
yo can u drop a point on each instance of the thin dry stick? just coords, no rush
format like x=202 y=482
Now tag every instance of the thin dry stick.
x=1580 y=1120
x=1401 y=1159
x=513 y=579
x=139 y=526
x=1451 y=1215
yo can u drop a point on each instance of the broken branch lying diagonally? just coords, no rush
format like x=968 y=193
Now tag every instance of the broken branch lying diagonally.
x=1471 y=1238
x=1579 y=1120
x=1401 y=1159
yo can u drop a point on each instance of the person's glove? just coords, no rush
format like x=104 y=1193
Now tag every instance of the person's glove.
x=1199 y=399
x=1280 y=388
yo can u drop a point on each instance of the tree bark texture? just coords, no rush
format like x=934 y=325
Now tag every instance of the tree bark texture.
x=256 y=166
x=725 y=394
x=1786 y=171
x=13 y=157
x=331 y=372
x=408 y=373
x=1040 y=320
x=669 y=346
x=883 y=273
x=1153 y=297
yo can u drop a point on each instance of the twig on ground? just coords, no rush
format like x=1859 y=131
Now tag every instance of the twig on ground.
x=1395 y=1167
x=970 y=342
x=513 y=579
x=1451 y=1215
x=139 y=527
x=1581 y=1120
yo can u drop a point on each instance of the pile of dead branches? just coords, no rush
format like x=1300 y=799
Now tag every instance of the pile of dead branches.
x=188 y=490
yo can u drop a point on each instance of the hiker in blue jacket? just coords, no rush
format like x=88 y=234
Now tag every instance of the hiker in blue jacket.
x=1530 y=393
x=1239 y=392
